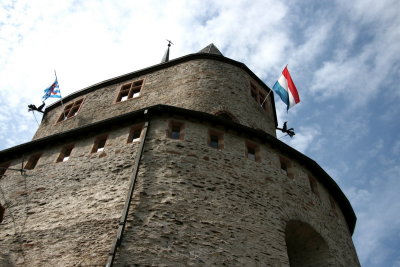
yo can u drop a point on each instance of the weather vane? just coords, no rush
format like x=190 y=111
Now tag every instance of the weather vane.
x=169 y=43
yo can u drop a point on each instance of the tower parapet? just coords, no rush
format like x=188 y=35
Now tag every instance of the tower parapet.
x=204 y=81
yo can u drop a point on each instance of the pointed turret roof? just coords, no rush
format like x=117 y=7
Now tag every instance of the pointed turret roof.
x=166 y=56
x=211 y=49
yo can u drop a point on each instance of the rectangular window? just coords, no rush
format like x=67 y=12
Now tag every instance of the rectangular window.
x=65 y=153
x=259 y=96
x=286 y=166
x=175 y=130
x=215 y=139
x=99 y=143
x=129 y=91
x=134 y=133
x=32 y=162
x=313 y=185
x=333 y=205
x=70 y=110
x=254 y=92
x=3 y=168
x=253 y=151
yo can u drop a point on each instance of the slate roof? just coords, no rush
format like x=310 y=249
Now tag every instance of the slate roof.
x=211 y=49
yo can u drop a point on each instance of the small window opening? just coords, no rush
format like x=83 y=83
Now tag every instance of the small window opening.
x=175 y=130
x=70 y=110
x=259 y=97
x=215 y=139
x=135 y=133
x=32 y=161
x=253 y=152
x=129 y=91
x=123 y=94
x=313 y=185
x=286 y=166
x=254 y=92
x=333 y=204
x=3 y=168
x=99 y=144
x=65 y=153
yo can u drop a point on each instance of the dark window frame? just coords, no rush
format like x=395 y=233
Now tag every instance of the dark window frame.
x=99 y=143
x=32 y=161
x=71 y=110
x=259 y=96
x=171 y=131
x=313 y=185
x=65 y=153
x=131 y=90
x=132 y=137
x=218 y=135
x=252 y=151
x=286 y=166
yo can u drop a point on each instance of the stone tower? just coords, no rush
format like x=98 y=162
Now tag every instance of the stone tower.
x=173 y=165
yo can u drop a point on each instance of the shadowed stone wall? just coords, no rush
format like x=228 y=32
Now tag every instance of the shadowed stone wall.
x=200 y=206
x=66 y=213
x=193 y=205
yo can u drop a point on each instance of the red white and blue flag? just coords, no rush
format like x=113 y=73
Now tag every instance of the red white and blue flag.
x=52 y=91
x=286 y=89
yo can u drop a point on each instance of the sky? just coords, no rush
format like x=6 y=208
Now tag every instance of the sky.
x=344 y=57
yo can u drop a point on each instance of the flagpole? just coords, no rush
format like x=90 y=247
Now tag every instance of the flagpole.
x=266 y=97
x=62 y=104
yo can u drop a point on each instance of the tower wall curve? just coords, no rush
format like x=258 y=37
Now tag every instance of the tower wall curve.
x=201 y=84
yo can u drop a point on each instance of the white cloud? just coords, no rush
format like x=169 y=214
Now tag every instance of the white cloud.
x=306 y=138
x=360 y=74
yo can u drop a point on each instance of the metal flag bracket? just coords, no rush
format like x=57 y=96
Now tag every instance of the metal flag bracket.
x=289 y=131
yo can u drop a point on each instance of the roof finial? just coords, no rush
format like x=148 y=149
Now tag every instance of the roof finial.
x=166 y=55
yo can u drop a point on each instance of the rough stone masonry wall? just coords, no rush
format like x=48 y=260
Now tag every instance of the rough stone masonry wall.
x=199 y=206
x=203 y=85
x=67 y=213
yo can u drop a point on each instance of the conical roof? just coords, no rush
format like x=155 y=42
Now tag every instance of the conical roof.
x=166 y=56
x=211 y=49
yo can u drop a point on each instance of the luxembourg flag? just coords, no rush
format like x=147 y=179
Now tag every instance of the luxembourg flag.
x=286 y=89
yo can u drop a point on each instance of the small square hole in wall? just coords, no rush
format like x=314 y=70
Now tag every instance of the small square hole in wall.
x=32 y=162
x=135 y=133
x=253 y=151
x=65 y=153
x=215 y=139
x=3 y=168
x=99 y=144
x=175 y=130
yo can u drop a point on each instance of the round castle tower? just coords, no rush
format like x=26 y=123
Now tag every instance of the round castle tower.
x=173 y=165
